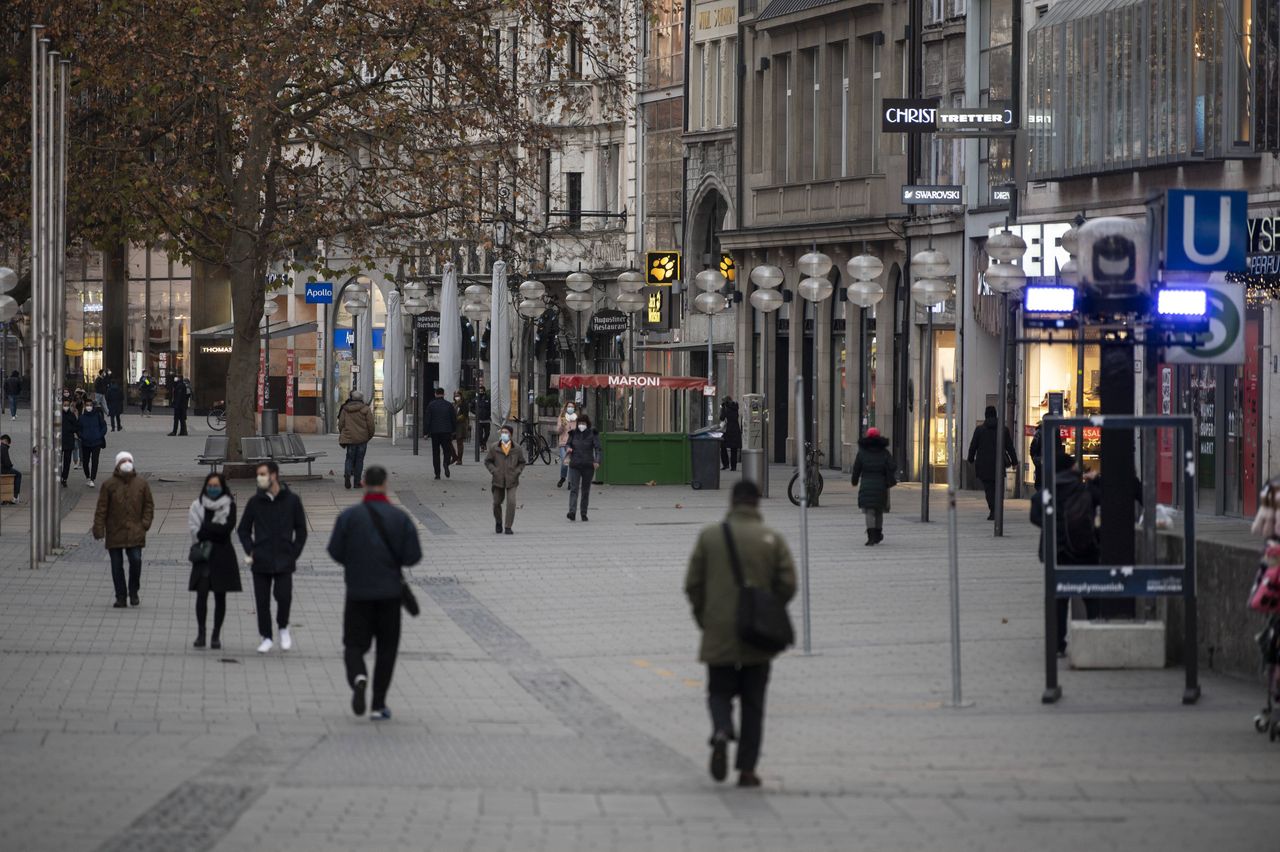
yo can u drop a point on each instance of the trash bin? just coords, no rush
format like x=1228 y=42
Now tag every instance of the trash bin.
x=270 y=422
x=704 y=458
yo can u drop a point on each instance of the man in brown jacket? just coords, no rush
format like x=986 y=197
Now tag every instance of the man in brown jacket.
x=505 y=462
x=355 y=430
x=735 y=668
x=123 y=516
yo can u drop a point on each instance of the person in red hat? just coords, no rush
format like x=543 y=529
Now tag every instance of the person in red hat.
x=874 y=474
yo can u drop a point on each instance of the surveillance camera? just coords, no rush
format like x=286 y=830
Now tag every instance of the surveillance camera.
x=1113 y=255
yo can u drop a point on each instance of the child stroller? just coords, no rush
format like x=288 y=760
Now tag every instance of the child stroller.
x=1265 y=598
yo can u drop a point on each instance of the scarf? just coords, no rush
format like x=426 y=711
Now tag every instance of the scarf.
x=195 y=515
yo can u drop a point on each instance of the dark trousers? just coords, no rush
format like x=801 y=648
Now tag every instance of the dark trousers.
x=499 y=496
x=262 y=584
x=179 y=422
x=729 y=457
x=483 y=426
x=67 y=453
x=441 y=446
x=989 y=489
x=17 y=482
x=145 y=405
x=114 y=419
x=362 y=624
x=580 y=480
x=118 y=555
x=219 y=611
x=748 y=684
x=89 y=459
x=459 y=444
x=354 y=466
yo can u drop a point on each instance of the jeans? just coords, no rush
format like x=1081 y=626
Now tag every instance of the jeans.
x=441 y=445
x=728 y=457
x=748 y=683
x=13 y=405
x=89 y=459
x=483 y=426
x=354 y=466
x=875 y=519
x=117 y=569
x=363 y=622
x=580 y=479
x=262 y=584
x=145 y=405
x=564 y=469
x=499 y=495
x=17 y=483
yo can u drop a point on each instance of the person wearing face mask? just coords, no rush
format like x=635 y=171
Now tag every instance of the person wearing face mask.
x=462 y=426
x=583 y=452
x=93 y=439
x=123 y=516
x=70 y=433
x=568 y=417
x=210 y=520
x=505 y=462
x=273 y=531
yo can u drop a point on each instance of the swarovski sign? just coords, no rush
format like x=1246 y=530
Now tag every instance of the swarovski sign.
x=932 y=194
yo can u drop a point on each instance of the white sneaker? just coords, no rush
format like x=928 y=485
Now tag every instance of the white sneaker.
x=265 y=646
x=286 y=641
x=90 y=483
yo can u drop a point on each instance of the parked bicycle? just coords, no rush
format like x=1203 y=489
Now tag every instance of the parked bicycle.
x=217 y=416
x=812 y=477
x=534 y=444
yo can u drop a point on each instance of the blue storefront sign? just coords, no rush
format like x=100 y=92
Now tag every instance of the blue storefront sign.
x=1206 y=230
x=344 y=338
x=319 y=293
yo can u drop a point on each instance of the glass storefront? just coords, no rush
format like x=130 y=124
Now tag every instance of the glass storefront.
x=1061 y=369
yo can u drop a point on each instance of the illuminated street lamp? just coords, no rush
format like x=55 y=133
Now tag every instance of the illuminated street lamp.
x=930 y=287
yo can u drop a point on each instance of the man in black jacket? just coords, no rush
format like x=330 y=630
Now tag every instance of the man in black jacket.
x=373 y=541
x=273 y=531
x=179 y=396
x=982 y=455
x=441 y=419
x=7 y=468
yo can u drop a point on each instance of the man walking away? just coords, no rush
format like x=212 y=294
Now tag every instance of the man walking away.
x=115 y=404
x=355 y=430
x=372 y=542
x=440 y=421
x=482 y=405
x=146 y=393
x=982 y=455
x=123 y=516
x=273 y=531
x=505 y=462
x=735 y=668
x=70 y=434
x=583 y=453
x=731 y=443
x=93 y=439
x=13 y=387
x=7 y=468
x=179 y=396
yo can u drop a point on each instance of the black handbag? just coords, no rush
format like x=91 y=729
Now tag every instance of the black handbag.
x=407 y=598
x=762 y=618
x=200 y=552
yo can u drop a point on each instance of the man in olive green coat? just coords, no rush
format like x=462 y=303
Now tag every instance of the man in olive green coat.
x=735 y=668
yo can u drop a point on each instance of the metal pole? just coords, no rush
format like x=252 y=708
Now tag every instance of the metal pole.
x=804 y=518
x=711 y=371
x=266 y=368
x=38 y=251
x=59 y=307
x=413 y=392
x=764 y=415
x=1079 y=406
x=927 y=381
x=953 y=547
x=1002 y=379
x=46 y=345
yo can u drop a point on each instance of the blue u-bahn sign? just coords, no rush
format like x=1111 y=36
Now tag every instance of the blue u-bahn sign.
x=1206 y=230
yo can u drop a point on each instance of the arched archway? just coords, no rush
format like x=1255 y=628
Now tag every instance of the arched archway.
x=343 y=348
x=712 y=214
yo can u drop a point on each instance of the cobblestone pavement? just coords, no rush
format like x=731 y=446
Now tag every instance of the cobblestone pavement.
x=548 y=697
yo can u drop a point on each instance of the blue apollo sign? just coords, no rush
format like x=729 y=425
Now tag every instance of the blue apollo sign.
x=344 y=338
x=319 y=293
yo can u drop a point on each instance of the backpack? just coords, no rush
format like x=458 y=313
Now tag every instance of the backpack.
x=1077 y=533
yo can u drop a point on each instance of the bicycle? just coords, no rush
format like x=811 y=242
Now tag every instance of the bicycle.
x=535 y=445
x=812 y=477
x=217 y=416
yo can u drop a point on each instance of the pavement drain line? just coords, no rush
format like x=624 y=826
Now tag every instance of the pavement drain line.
x=433 y=522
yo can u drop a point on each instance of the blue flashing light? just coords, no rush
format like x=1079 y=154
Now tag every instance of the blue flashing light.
x=1039 y=299
x=1179 y=302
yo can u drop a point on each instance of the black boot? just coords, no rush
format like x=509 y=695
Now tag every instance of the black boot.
x=199 y=643
x=871 y=537
x=879 y=535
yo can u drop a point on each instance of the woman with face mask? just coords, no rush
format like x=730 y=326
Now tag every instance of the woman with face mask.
x=583 y=451
x=93 y=439
x=70 y=434
x=568 y=417
x=210 y=520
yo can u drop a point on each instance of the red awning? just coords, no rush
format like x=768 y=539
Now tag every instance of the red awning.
x=642 y=380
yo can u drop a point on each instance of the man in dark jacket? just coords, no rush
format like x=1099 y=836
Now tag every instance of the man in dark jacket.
x=372 y=542
x=482 y=406
x=146 y=393
x=735 y=668
x=582 y=452
x=122 y=517
x=505 y=462
x=100 y=389
x=440 y=420
x=273 y=531
x=70 y=434
x=731 y=443
x=1072 y=496
x=355 y=431
x=93 y=439
x=12 y=388
x=982 y=455
x=179 y=397
x=115 y=404
x=7 y=468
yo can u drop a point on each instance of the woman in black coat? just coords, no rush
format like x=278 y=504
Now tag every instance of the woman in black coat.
x=211 y=519
x=731 y=442
x=874 y=473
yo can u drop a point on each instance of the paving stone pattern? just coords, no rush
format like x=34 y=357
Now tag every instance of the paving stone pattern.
x=548 y=697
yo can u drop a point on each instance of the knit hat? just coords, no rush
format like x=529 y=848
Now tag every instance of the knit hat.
x=873 y=432
x=123 y=456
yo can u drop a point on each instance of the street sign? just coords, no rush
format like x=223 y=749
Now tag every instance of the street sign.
x=319 y=293
x=909 y=115
x=662 y=268
x=609 y=321
x=932 y=194
x=1206 y=230
x=1224 y=344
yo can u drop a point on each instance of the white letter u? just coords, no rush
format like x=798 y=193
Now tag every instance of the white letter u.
x=1219 y=254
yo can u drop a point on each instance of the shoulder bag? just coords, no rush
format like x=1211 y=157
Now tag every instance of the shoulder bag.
x=200 y=552
x=762 y=618
x=407 y=598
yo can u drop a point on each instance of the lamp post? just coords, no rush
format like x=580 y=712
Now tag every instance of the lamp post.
x=356 y=301
x=929 y=271
x=766 y=299
x=710 y=302
x=815 y=288
x=532 y=307
x=630 y=300
x=269 y=309
x=1005 y=276
x=864 y=290
x=579 y=300
x=477 y=308
x=415 y=304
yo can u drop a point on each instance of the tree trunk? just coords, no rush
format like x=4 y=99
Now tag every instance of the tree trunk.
x=247 y=282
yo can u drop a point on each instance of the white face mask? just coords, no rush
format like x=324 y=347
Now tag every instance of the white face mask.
x=582 y=427
x=264 y=481
x=126 y=467
x=504 y=438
